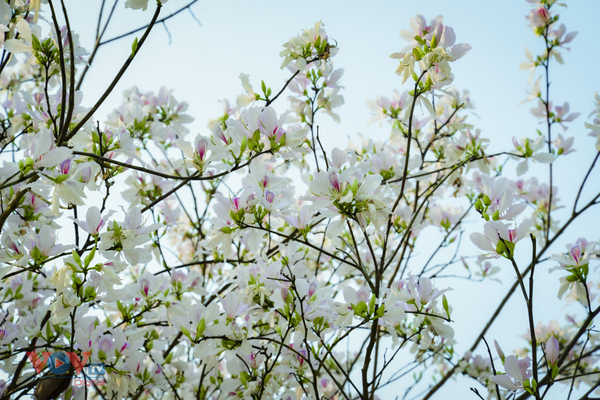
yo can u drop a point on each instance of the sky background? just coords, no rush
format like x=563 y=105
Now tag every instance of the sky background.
x=202 y=64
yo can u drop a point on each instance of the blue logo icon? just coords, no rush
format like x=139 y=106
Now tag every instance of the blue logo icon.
x=59 y=363
x=95 y=369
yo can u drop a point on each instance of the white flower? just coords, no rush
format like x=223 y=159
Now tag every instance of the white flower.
x=302 y=220
x=43 y=152
x=498 y=239
x=517 y=372
x=249 y=97
x=93 y=220
x=137 y=4
x=530 y=150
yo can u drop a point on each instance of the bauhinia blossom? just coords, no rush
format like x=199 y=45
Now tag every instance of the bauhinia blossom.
x=517 y=373
x=499 y=239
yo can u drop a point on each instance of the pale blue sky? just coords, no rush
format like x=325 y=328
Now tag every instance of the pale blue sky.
x=203 y=63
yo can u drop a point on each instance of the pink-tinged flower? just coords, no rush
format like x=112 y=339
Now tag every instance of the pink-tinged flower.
x=338 y=158
x=233 y=306
x=540 y=110
x=329 y=186
x=564 y=146
x=489 y=241
x=11 y=251
x=477 y=363
x=135 y=222
x=37 y=205
x=334 y=182
x=558 y=114
x=201 y=144
x=578 y=255
x=418 y=27
x=561 y=115
x=106 y=344
x=93 y=221
x=382 y=107
x=149 y=284
x=247 y=123
x=595 y=126
x=264 y=181
x=69 y=191
x=202 y=153
x=422 y=292
x=86 y=174
x=531 y=150
x=332 y=79
x=302 y=220
x=560 y=32
x=38 y=98
x=170 y=212
x=552 y=350
x=517 y=372
x=269 y=196
x=459 y=50
x=353 y=296
x=45 y=242
x=65 y=166
x=219 y=134
x=269 y=125
x=539 y=17
x=145 y=286
x=43 y=152
x=500 y=198
x=123 y=344
x=312 y=288
x=444 y=35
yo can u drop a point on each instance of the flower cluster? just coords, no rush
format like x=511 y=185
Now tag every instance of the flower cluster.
x=247 y=260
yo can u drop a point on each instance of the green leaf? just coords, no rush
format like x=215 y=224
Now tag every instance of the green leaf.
x=134 y=48
x=35 y=43
x=417 y=53
x=76 y=257
x=200 y=328
x=496 y=215
x=554 y=371
x=361 y=308
x=244 y=378
x=243 y=145
x=354 y=186
x=90 y=293
x=504 y=248
x=90 y=257
x=434 y=42
x=445 y=305
x=186 y=332
x=372 y=304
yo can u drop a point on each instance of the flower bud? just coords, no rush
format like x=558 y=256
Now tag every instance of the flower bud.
x=486 y=200
x=499 y=350
x=552 y=350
